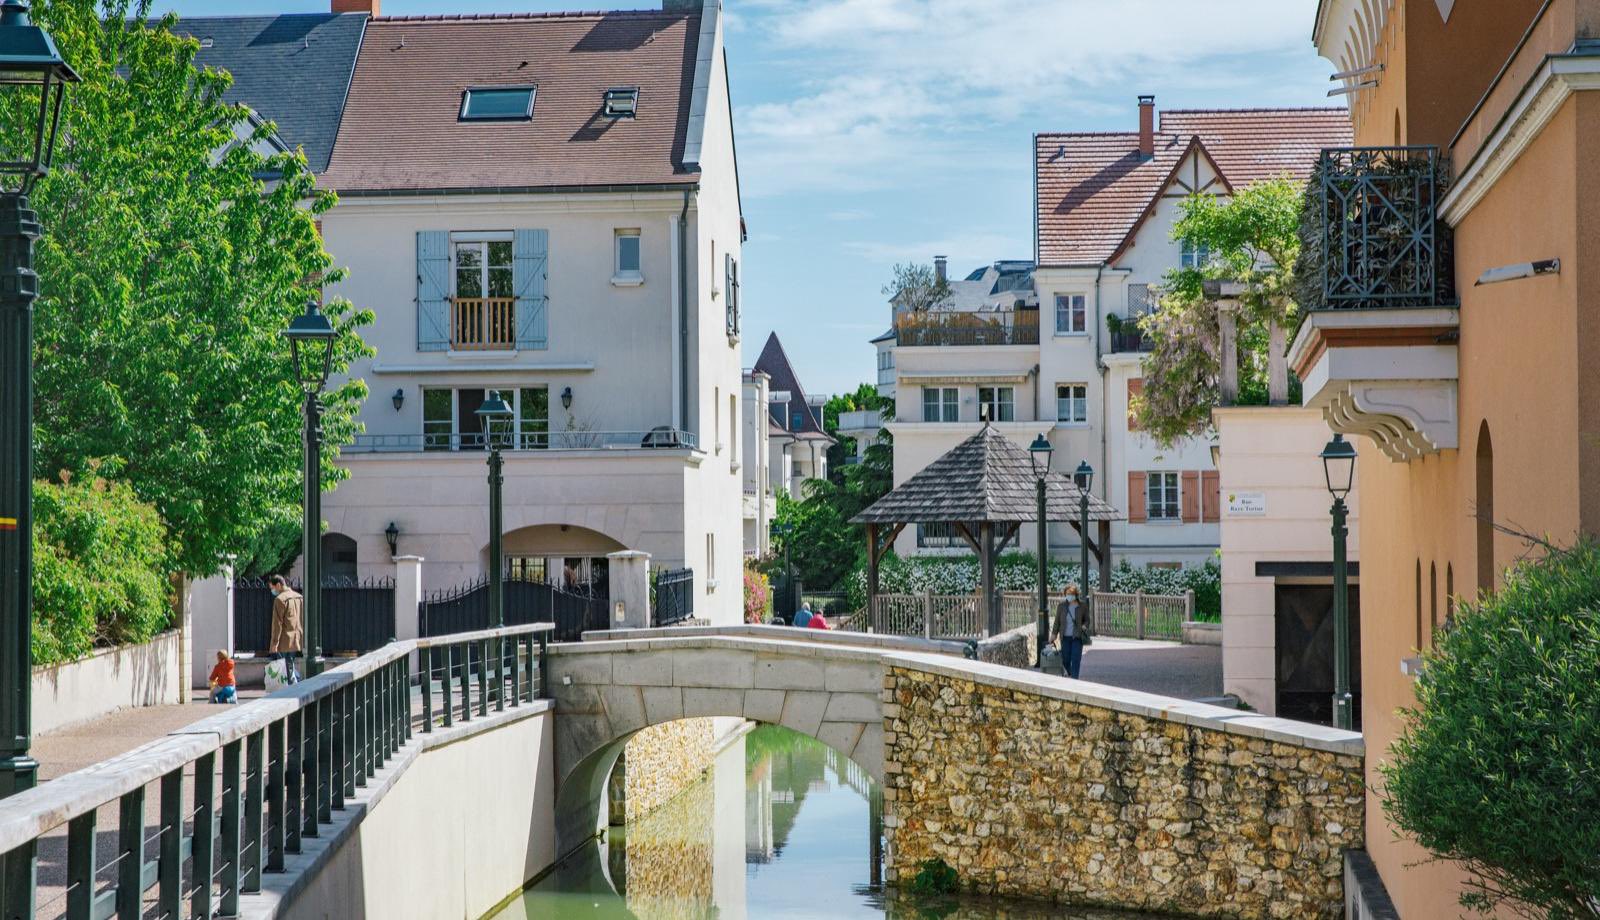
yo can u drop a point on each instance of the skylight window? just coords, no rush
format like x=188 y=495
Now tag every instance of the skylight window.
x=497 y=103
x=622 y=102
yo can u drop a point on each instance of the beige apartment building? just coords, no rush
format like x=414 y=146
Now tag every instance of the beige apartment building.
x=1472 y=376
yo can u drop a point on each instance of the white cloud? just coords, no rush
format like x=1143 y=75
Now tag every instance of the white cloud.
x=966 y=251
x=849 y=215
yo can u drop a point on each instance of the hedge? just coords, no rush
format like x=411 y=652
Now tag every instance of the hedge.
x=100 y=569
x=1019 y=572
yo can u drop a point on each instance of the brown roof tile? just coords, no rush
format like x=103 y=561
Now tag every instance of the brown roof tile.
x=400 y=130
x=1094 y=189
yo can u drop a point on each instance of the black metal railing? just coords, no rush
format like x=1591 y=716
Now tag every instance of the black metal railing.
x=965 y=327
x=357 y=615
x=1382 y=242
x=1130 y=338
x=288 y=763
x=466 y=608
x=672 y=598
x=662 y=437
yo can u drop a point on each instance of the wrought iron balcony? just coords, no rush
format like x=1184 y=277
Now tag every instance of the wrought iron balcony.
x=1382 y=242
x=965 y=327
x=1130 y=338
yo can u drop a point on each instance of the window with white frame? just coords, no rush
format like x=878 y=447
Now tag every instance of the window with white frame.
x=730 y=283
x=1195 y=255
x=1161 y=496
x=1071 y=314
x=628 y=261
x=998 y=404
x=450 y=420
x=1072 y=403
x=940 y=404
x=483 y=301
x=711 y=560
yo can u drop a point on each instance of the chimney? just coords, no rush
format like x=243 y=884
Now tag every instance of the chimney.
x=370 y=7
x=1147 y=126
x=941 y=268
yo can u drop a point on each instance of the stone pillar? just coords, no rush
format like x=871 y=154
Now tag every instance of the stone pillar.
x=211 y=618
x=1277 y=365
x=630 y=589
x=1228 y=342
x=408 y=600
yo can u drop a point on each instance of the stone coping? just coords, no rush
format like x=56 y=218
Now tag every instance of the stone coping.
x=824 y=637
x=104 y=651
x=37 y=811
x=1133 y=702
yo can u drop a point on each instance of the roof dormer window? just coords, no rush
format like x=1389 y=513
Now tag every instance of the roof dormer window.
x=622 y=102
x=497 y=103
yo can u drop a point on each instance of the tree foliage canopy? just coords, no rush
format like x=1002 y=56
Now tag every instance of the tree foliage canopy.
x=917 y=287
x=823 y=545
x=1251 y=238
x=1498 y=765
x=168 y=267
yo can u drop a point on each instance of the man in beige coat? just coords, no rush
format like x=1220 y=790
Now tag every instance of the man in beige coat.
x=287 y=637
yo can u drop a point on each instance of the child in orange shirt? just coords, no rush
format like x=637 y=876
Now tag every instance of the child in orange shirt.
x=223 y=687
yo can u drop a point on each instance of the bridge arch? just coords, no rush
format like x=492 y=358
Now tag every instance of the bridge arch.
x=606 y=692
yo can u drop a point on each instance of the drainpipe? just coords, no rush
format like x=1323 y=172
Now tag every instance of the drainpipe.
x=683 y=311
x=1038 y=407
x=1105 y=398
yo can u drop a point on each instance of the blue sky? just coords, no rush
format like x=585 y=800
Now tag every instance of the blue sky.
x=873 y=132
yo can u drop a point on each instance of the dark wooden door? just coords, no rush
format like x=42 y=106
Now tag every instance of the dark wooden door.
x=1305 y=652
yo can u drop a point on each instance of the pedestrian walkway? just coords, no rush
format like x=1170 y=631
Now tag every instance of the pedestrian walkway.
x=1189 y=672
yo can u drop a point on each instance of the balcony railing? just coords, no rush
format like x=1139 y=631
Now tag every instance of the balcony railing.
x=662 y=438
x=1382 y=243
x=483 y=323
x=1131 y=338
x=960 y=327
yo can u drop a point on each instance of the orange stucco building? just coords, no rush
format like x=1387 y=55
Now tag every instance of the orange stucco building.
x=1480 y=404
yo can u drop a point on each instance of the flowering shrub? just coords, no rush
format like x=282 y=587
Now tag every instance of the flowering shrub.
x=757 y=595
x=1019 y=572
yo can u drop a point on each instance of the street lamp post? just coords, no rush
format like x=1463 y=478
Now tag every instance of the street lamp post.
x=1083 y=477
x=311 y=338
x=31 y=70
x=1039 y=452
x=494 y=415
x=1339 y=467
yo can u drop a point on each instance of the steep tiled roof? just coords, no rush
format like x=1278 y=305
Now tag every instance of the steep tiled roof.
x=401 y=132
x=1251 y=145
x=984 y=478
x=1094 y=189
x=291 y=70
x=775 y=364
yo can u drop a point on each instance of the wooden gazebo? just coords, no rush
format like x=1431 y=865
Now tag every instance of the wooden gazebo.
x=986 y=489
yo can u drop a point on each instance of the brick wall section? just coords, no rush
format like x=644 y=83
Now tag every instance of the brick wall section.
x=1049 y=798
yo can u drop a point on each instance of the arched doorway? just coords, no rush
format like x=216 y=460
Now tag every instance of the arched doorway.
x=567 y=555
x=339 y=557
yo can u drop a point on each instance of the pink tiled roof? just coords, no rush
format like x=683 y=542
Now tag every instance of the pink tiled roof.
x=1094 y=189
x=400 y=129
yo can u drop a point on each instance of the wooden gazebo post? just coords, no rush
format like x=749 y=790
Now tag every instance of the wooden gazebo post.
x=872 y=572
x=986 y=580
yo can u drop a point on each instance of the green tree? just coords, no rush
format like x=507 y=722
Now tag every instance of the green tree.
x=823 y=545
x=1498 y=765
x=1251 y=238
x=169 y=266
x=917 y=288
x=864 y=398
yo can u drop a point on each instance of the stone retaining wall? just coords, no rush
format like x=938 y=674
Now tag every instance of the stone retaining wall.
x=1053 y=798
x=663 y=760
x=1013 y=648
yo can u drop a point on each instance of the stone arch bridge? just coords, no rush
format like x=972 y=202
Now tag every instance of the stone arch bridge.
x=1027 y=784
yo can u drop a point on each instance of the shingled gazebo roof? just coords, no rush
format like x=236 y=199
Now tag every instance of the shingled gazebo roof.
x=986 y=478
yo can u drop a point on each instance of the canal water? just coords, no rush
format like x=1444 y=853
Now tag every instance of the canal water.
x=779 y=828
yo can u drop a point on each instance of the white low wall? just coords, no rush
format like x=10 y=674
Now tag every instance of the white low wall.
x=454 y=834
x=108 y=680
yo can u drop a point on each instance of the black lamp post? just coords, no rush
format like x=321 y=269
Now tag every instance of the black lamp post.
x=1039 y=451
x=495 y=416
x=311 y=338
x=1339 y=467
x=1084 y=478
x=33 y=71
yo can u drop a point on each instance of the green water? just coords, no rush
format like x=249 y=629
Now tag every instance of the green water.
x=778 y=828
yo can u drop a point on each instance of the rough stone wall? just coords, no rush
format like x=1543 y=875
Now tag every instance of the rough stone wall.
x=1037 y=797
x=1013 y=648
x=663 y=760
x=669 y=856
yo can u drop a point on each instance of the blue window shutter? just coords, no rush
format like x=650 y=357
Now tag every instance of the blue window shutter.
x=433 y=290
x=530 y=256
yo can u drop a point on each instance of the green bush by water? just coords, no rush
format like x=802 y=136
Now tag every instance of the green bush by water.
x=1496 y=768
x=935 y=876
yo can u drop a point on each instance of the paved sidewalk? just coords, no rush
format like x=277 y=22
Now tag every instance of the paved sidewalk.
x=62 y=751
x=1187 y=672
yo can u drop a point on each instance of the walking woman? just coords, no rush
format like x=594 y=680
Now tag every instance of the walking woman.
x=1072 y=629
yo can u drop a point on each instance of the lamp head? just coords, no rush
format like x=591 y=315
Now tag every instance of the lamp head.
x=1039 y=451
x=494 y=417
x=32 y=70
x=1084 y=476
x=1339 y=466
x=311 y=338
x=392 y=534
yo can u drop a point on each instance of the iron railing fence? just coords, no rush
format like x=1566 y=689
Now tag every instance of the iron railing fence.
x=966 y=327
x=1383 y=244
x=660 y=438
x=240 y=790
x=357 y=614
x=959 y=616
x=1130 y=338
x=466 y=608
x=672 y=599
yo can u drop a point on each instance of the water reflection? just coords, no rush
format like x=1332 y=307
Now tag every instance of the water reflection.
x=778 y=828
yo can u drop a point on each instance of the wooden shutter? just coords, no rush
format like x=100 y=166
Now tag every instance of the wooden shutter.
x=1189 y=496
x=1135 y=388
x=1136 y=508
x=433 y=290
x=1210 y=496
x=530 y=260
